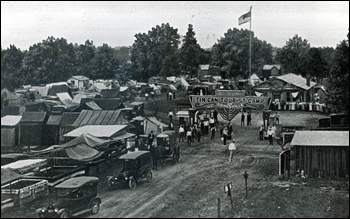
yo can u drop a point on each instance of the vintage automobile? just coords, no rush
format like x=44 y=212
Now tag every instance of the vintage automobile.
x=168 y=147
x=137 y=165
x=74 y=197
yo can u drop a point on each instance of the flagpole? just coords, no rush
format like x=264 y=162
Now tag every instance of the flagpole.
x=250 y=44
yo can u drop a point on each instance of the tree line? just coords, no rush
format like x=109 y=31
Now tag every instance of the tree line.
x=160 y=52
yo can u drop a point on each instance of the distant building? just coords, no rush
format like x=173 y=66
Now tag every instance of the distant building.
x=271 y=70
x=80 y=82
x=208 y=70
x=288 y=89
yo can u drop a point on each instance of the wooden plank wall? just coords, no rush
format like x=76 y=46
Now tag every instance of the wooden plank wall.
x=323 y=161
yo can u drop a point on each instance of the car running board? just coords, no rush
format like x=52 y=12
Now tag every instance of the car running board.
x=81 y=212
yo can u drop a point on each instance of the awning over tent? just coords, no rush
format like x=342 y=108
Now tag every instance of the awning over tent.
x=83 y=152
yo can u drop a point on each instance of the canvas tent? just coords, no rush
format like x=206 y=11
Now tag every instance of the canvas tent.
x=55 y=88
x=100 y=131
x=9 y=130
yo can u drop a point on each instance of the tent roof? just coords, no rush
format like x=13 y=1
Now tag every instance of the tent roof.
x=7 y=95
x=156 y=121
x=296 y=80
x=100 y=117
x=86 y=139
x=136 y=103
x=103 y=131
x=122 y=89
x=8 y=175
x=124 y=136
x=25 y=163
x=43 y=90
x=10 y=120
x=76 y=182
x=182 y=114
x=133 y=155
x=321 y=138
x=93 y=105
x=33 y=117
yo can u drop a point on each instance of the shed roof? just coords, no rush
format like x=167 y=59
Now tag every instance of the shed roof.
x=296 y=80
x=269 y=67
x=65 y=98
x=80 y=78
x=204 y=67
x=100 y=117
x=54 y=120
x=321 y=138
x=10 y=120
x=33 y=117
x=77 y=182
x=68 y=118
x=102 y=131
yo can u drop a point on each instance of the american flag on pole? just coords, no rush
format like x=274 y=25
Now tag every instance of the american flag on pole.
x=244 y=18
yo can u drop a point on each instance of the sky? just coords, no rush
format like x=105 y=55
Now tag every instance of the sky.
x=115 y=23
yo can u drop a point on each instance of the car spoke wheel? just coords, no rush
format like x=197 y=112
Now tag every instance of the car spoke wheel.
x=65 y=214
x=95 y=207
x=149 y=176
x=132 y=184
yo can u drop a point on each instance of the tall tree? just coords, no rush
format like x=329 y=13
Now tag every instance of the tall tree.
x=105 y=63
x=231 y=53
x=190 y=52
x=11 y=62
x=338 y=83
x=293 y=56
x=155 y=53
x=85 y=54
x=316 y=66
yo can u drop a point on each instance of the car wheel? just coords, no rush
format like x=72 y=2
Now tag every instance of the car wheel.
x=149 y=176
x=65 y=214
x=95 y=207
x=132 y=184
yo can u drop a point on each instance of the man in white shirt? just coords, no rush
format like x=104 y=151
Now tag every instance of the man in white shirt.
x=189 y=137
x=181 y=133
x=231 y=148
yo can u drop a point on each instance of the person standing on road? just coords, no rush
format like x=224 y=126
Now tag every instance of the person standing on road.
x=231 y=148
x=171 y=115
x=261 y=132
x=150 y=138
x=277 y=118
x=181 y=133
x=249 y=119
x=269 y=133
x=213 y=130
x=206 y=126
x=230 y=130
x=242 y=119
x=198 y=134
x=225 y=134
x=189 y=137
x=212 y=122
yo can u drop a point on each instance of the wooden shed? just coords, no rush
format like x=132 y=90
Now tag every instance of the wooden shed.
x=321 y=153
x=9 y=130
x=31 y=128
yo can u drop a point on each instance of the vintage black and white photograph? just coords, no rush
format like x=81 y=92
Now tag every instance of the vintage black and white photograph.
x=174 y=109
